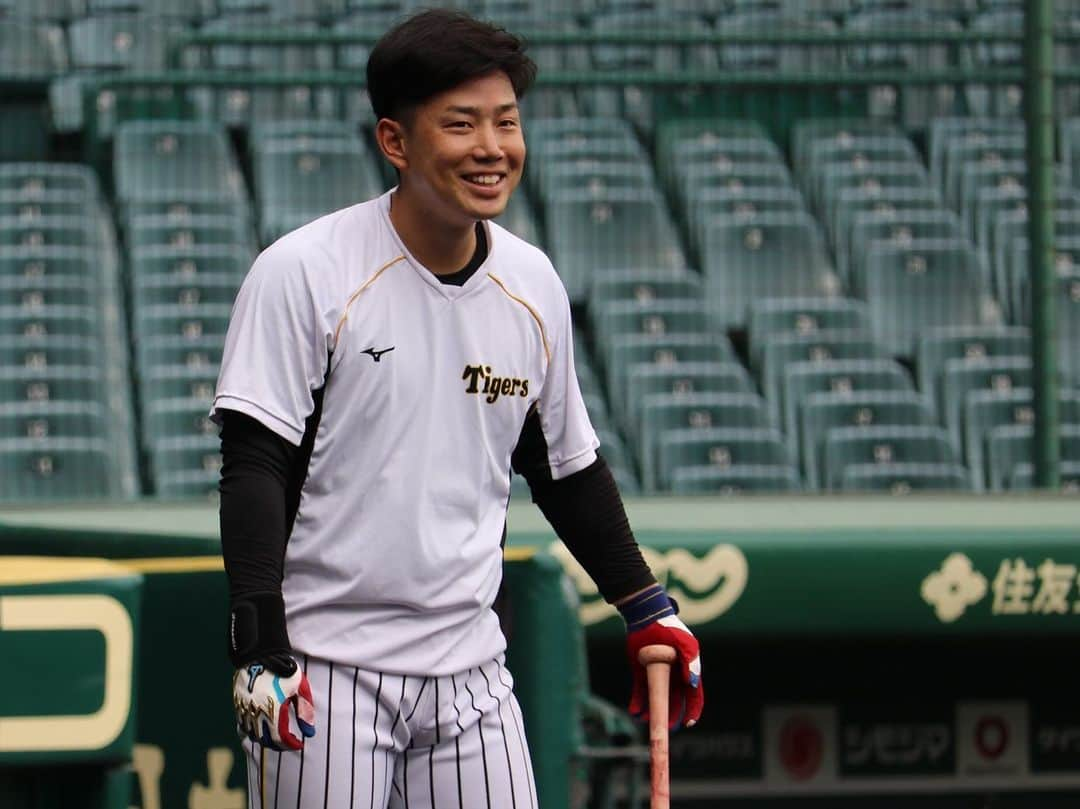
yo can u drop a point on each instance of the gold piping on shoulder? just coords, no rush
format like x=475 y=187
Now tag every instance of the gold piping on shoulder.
x=355 y=295
x=532 y=311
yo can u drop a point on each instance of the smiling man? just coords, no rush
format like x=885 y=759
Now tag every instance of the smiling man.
x=385 y=368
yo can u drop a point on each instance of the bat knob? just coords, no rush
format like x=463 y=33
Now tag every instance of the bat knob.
x=656 y=653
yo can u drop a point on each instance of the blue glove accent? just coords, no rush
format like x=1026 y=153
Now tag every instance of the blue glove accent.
x=648 y=606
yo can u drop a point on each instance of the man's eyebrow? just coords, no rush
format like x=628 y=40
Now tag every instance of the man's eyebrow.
x=475 y=111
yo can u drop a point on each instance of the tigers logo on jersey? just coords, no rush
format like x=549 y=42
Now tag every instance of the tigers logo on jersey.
x=483 y=382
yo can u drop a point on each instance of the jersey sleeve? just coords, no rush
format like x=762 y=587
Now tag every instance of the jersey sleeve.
x=277 y=346
x=568 y=434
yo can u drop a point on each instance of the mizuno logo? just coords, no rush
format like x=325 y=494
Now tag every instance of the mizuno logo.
x=376 y=355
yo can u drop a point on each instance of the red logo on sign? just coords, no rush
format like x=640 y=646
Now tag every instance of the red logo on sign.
x=991 y=737
x=802 y=747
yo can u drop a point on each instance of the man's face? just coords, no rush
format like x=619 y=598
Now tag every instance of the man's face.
x=464 y=151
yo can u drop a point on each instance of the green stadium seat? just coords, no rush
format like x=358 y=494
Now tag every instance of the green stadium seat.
x=579 y=130
x=645 y=379
x=175 y=454
x=172 y=418
x=885 y=446
x=976 y=177
x=49 y=231
x=40 y=352
x=690 y=155
x=181 y=320
x=809 y=131
x=873 y=177
x=302 y=135
x=661 y=412
x=51 y=290
x=296 y=187
x=937 y=345
x=597 y=176
x=50 y=321
x=898 y=227
x=177 y=382
x=924 y=284
x=962 y=376
x=625 y=229
x=57 y=469
x=166 y=231
x=720 y=447
x=672 y=132
x=52 y=419
x=31 y=51
x=203 y=353
x=537 y=18
x=852 y=201
x=856 y=152
x=189 y=483
x=781 y=349
x=32 y=181
x=1023 y=477
x=629 y=350
x=120 y=42
x=185 y=209
x=742 y=203
x=734 y=480
x=1066 y=264
x=151 y=290
x=977 y=150
x=666 y=316
x=613 y=448
x=801 y=316
x=155 y=159
x=52 y=383
x=28 y=208
x=1011 y=445
x=903 y=478
x=941 y=131
x=28 y=261
x=1009 y=237
x=642 y=285
x=190 y=262
x=986 y=409
x=852 y=377
x=766 y=256
x=821 y=412
x=697 y=180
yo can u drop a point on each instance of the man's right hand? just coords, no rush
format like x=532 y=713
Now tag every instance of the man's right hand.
x=263 y=692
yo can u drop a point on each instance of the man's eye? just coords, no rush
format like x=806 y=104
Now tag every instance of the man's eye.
x=509 y=123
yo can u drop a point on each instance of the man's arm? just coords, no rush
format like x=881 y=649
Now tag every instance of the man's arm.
x=254 y=474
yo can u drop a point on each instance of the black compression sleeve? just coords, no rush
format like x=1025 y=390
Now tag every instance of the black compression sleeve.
x=254 y=474
x=587 y=513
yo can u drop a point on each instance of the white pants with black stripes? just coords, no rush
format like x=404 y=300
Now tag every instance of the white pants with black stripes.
x=388 y=740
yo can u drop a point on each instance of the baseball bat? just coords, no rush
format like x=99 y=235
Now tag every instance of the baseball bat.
x=657 y=660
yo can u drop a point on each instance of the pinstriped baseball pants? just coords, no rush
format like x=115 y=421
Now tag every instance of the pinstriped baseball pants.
x=403 y=742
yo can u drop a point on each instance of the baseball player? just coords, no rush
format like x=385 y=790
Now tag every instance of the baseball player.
x=385 y=367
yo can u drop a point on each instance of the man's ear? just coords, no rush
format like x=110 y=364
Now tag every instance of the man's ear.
x=390 y=136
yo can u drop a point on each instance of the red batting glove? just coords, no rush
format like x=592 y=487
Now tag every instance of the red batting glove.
x=651 y=619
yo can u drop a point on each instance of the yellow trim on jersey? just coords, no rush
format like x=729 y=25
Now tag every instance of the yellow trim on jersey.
x=355 y=295
x=536 y=317
x=519 y=553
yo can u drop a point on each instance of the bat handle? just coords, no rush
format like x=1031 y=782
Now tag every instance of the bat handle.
x=657 y=660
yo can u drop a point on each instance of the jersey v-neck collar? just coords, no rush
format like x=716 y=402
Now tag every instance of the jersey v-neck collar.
x=450 y=291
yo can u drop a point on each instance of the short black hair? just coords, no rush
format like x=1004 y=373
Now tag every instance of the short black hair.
x=436 y=50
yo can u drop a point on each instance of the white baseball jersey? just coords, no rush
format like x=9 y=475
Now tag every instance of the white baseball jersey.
x=394 y=558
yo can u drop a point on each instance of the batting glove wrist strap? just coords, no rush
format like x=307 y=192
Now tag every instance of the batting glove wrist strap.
x=257 y=628
x=651 y=620
x=648 y=606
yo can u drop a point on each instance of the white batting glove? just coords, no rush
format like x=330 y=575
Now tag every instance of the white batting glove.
x=262 y=695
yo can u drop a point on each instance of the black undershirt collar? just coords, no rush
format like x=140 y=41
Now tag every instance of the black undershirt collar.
x=459 y=278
